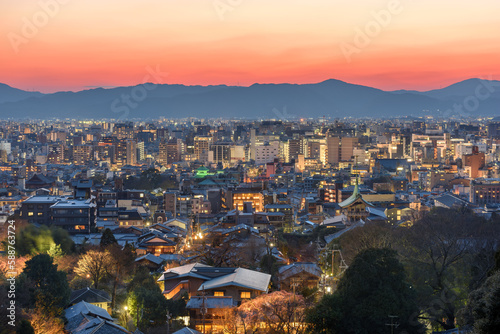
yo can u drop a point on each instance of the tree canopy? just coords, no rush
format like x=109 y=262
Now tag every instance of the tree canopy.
x=372 y=289
x=107 y=238
x=146 y=302
x=51 y=290
x=32 y=240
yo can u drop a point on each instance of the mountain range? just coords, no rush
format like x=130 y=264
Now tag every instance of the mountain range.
x=330 y=98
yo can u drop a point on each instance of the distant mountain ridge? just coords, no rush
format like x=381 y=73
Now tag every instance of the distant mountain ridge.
x=330 y=98
x=10 y=94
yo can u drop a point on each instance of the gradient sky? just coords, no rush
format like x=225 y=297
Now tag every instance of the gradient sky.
x=87 y=43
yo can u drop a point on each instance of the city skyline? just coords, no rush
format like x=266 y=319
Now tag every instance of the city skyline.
x=72 y=45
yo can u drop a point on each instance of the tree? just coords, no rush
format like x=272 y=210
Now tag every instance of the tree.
x=43 y=323
x=32 y=240
x=373 y=288
x=51 y=291
x=94 y=265
x=371 y=235
x=121 y=264
x=146 y=301
x=107 y=238
x=483 y=310
x=445 y=259
x=5 y=267
x=280 y=312
x=25 y=327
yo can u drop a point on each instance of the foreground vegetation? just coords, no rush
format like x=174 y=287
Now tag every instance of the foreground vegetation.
x=441 y=272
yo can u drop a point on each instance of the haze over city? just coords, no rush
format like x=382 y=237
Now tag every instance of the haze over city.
x=77 y=45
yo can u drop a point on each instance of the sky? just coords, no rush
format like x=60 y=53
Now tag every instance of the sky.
x=54 y=45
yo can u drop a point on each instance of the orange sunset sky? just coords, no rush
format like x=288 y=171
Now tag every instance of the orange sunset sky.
x=81 y=44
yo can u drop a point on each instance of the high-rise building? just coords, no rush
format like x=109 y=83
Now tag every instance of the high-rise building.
x=140 y=151
x=222 y=152
x=347 y=148
x=267 y=152
x=162 y=155
x=474 y=161
x=124 y=130
x=173 y=150
x=294 y=149
x=333 y=153
x=131 y=152
x=82 y=154
x=201 y=146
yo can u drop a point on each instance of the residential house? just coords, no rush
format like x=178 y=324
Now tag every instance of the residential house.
x=85 y=318
x=92 y=296
x=299 y=275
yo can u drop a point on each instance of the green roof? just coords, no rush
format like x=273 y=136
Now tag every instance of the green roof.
x=355 y=195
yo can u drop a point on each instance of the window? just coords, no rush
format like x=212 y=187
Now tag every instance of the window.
x=40 y=214
x=30 y=214
x=245 y=295
x=219 y=294
x=79 y=227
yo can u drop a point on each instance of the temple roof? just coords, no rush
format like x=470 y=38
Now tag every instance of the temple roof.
x=355 y=196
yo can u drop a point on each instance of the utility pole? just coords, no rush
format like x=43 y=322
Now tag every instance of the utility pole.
x=169 y=316
x=295 y=282
x=203 y=310
x=343 y=265
x=393 y=324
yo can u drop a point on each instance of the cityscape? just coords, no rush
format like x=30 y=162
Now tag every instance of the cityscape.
x=176 y=169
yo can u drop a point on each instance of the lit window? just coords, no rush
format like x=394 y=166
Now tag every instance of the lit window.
x=245 y=295
x=30 y=214
x=219 y=294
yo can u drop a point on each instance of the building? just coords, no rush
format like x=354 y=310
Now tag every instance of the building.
x=130 y=218
x=82 y=154
x=331 y=191
x=267 y=152
x=84 y=318
x=36 y=209
x=213 y=288
x=140 y=151
x=201 y=147
x=92 y=296
x=286 y=210
x=236 y=198
x=162 y=152
x=222 y=152
x=298 y=276
x=156 y=244
x=75 y=216
x=131 y=152
x=174 y=151
x=333 y=146
x=340 y=149
x=485 y=191
x=474 y=162
x=354 y=207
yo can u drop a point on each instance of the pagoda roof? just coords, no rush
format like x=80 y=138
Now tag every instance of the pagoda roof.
x=356 y=195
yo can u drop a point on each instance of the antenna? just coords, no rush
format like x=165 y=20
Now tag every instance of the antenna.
x=393 y=324
x=342 y=265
